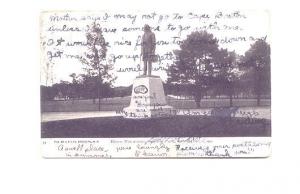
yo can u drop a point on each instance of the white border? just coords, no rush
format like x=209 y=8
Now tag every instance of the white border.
x=24 y=171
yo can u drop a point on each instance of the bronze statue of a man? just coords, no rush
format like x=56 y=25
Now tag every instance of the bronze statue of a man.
x=148 y=49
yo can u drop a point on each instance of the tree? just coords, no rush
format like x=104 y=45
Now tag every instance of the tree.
x=194 y=63
x=62 y=89
x=257 y=60
x=89 y=85
x=95 y=58
x=228 y=73
x=74 y=87
x=47 y=93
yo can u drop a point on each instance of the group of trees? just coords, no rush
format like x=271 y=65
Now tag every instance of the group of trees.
x=82 y=87
x=201 y=69
x=205 y=68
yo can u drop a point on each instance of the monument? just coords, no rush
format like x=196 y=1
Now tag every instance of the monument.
x=148 y=98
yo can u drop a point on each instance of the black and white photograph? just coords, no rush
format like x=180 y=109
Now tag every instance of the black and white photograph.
x=137 y=84
x=151 y=97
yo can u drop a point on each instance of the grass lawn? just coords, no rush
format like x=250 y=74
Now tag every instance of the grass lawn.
x=178 y=126
x=118 y=103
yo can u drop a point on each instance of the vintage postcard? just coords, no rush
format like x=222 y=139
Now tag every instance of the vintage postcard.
x=137 y=84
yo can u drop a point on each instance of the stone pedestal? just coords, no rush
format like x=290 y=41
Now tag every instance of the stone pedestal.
x=148 y=99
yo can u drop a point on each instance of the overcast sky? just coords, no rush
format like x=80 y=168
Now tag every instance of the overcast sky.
x=234 y=29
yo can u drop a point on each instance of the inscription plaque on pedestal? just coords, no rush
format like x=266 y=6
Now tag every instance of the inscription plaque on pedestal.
x=148 y=99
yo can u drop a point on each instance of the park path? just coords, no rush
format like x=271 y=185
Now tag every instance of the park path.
x=55 y=116
x=252 y=112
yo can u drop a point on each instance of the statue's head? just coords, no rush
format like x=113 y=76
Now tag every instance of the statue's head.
x=147 y=28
